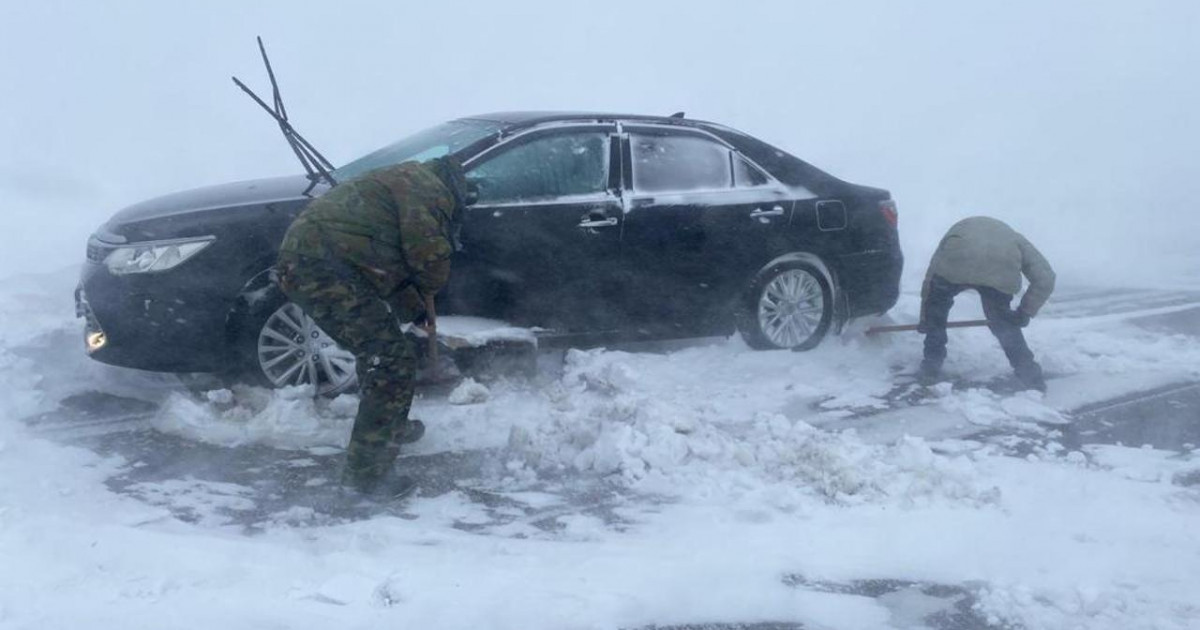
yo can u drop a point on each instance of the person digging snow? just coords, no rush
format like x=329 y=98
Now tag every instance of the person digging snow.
x=363 y=260
x=988 y=256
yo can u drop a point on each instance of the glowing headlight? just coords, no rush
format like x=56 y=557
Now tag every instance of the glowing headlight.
x=155 y=256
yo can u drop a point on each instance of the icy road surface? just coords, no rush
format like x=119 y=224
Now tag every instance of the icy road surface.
x=681 y=485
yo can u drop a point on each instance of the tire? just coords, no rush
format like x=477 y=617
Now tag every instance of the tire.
x=787 y=305
x=277 y=345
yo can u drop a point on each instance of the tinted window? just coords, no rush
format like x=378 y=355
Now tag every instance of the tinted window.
x=546 y=167
x=746 y=174
x=783 y=166
x=678 y=162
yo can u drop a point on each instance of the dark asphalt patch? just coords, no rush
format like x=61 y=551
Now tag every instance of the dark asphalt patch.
x=1185 y=322
x=913 y=603
x=255 y=487
x=1167 y=418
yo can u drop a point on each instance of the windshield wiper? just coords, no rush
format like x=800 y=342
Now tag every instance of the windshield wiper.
x=315 y=164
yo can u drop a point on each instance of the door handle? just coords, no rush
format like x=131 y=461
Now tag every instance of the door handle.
x=598 y=223
x=777 y=211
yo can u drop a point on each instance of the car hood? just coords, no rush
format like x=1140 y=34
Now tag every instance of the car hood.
x=247 y=193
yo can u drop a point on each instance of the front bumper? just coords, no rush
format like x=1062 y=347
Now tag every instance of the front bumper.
x=94 y=337
x=166 y=322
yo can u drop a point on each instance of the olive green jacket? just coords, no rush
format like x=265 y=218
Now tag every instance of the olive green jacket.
x=393 y=224
x=982 y=251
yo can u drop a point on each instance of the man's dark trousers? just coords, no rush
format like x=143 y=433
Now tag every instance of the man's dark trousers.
x=996 y=308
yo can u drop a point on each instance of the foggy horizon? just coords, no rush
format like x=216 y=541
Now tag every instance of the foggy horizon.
x=1066 y=121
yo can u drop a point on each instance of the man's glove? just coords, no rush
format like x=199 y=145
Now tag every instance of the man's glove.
x=923 y=327
x=1019 y=317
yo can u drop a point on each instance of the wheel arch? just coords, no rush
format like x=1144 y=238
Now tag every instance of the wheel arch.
x=260 y=291
x=841 y=305
x=808 y=257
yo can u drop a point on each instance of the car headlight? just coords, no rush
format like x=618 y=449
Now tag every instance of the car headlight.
x=154 y=256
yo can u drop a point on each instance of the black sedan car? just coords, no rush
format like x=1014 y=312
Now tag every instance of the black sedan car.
x=589 y=227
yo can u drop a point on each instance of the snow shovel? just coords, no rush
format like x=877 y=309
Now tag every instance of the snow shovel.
x=436 y=373
x=971 y=323
x=431 y=330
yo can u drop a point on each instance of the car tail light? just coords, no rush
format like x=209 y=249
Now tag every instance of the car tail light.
x=887 y=208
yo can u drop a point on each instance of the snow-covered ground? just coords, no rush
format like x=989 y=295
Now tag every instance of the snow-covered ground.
x=704 y=483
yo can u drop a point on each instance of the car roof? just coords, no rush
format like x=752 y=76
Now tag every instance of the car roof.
x=522 y=119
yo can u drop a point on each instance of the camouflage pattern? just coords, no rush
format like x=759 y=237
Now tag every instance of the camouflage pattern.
x=350 y=310
x=359 y=261
x=393 y=224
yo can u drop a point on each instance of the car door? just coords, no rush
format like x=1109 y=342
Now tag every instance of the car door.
x=540 y=245
x=700 y=217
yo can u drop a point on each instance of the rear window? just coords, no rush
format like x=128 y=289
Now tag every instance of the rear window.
x=783 y=166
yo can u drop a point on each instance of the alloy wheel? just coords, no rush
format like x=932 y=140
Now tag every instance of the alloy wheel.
x=791 y=308
x=293 y=350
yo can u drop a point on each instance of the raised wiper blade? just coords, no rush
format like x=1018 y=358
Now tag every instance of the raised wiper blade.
x=315 y=165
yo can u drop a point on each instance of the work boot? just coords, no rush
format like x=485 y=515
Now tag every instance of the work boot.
x=930 y=372
x=393 y=487
x=1031 y=376
x=388 y=487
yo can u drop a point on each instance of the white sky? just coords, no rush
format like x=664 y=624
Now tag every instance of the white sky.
x=1077 y=121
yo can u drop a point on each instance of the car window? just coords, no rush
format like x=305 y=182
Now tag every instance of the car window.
x=678 y=162
x=746 y=174
x=547 y=167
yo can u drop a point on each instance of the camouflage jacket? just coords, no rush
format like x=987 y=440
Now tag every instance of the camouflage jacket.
x=394 y=224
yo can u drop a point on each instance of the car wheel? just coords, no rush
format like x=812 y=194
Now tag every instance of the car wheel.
x=788 y=305
x=284 y=347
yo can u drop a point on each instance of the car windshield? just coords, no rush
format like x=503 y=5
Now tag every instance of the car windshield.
x=424 y=145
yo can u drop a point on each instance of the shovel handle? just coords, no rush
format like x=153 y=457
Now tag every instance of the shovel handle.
x=431 y=331
x=971 y=323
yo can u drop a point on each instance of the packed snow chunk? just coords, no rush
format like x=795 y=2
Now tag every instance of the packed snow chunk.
x=287 y=418
x=450 y=509
x=651 y=443
x=469 y=392
x=1119 y=606
x=1030 y=405
x=600 y=371
x=1142 y=464
x=943 y=389
x=220 y=397
x=345 y=589
x=983 y=407
x=977 y=406
x=344 y=406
